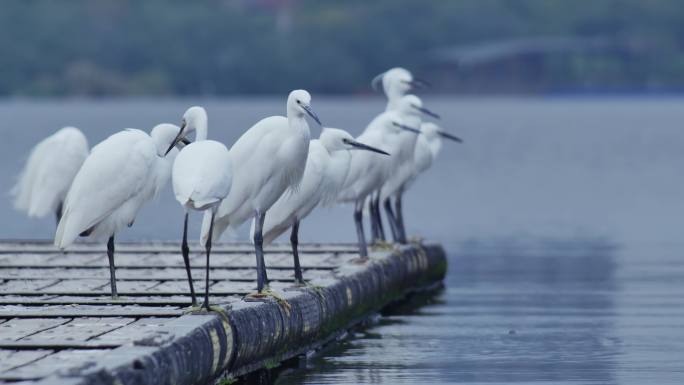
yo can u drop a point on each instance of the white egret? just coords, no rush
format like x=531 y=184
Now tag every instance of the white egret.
x=326 y=169
x=49 y=171
x=268 y=160
x=428 y=147
x=397 y=82
x=367 y=173
x=201 y=178
x=121 y=173
x=402 y=170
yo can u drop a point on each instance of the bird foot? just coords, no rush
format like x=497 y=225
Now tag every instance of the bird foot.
x=360 y=260
x=268 y=294
x=416 y=240
x=382 y=245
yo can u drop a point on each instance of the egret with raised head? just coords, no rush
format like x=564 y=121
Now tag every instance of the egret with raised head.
x=326 y=170
x=267 y=160
x=367 y=173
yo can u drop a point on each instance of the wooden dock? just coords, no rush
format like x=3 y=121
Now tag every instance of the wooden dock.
x=59 y=325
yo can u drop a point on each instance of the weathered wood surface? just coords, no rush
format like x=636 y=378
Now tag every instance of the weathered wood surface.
x=58 y=324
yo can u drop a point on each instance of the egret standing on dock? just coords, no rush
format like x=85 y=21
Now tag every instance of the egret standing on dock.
x=402 y=170
x=49 y=171
x=367 y=173
x=121 y=173
x=268 y=160
x=326 y=169
x=201 y=178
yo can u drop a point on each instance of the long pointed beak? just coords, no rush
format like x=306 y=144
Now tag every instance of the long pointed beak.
x=177 y=139
x=426 y=111
x=407 y=128
x=449 y=136
x=418 y=84
x=376 y=83
x=362 y=146
x=312 y=114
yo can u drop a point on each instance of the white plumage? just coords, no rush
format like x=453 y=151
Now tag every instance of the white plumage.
x=49 y=171
x=122 y=173
x=201 y=179
x=326 y=169
x=267 y=160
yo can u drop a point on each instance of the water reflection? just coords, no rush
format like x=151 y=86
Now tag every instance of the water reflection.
x=510 y=313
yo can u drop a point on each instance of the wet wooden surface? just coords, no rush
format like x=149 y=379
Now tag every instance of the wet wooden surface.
x=56 y=310
x=58 y=320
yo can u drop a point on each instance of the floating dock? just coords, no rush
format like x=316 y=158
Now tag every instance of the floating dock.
x=59 y=325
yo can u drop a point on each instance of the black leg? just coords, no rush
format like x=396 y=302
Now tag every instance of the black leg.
x=400 y=218
x=372 y=219
x=391 y=219
x=186 y=258
x=208 y=248
x=112 y=273
x=294 y=241
x=358 y=219
x=378 y=218
x=262 y=278
x=58 y=212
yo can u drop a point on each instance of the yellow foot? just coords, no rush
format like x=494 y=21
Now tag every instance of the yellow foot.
x=416 y=240
x=360 y=260
x=382 y=245
x=268 y=293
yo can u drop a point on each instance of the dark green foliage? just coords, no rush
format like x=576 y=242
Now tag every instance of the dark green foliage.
x=216 y=47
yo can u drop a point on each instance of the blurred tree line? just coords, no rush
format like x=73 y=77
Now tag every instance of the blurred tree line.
x=218 y=47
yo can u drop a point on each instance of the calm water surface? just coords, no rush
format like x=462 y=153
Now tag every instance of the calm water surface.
x=562 y=219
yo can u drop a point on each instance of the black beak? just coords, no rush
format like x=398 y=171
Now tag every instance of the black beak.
x=426 y=111
x=185 y=141
x=376 y=83
x=418 y=84
x=449 y=136
x=362 y=146
x=177 y=139
x=407 y=128
x=311 y=113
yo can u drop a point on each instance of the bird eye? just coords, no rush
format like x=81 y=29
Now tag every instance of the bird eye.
x=298 y=101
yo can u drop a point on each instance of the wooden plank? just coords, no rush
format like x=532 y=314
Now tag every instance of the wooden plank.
x=62 y=311
x=10 y=358
x=181 y=301
x=16 y=329
x=52 y=363
x=138 y=248
x=76 y=331
x=26 y=284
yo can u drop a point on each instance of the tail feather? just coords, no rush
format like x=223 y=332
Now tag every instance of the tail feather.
x=220 y=225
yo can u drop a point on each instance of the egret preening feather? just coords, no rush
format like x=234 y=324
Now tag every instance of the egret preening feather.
x=201 y=179
x=268 y=160
x=326 y=169
x=121 y=173
x=49 y=171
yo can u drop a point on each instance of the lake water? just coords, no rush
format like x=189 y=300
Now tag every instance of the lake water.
x=562 y=219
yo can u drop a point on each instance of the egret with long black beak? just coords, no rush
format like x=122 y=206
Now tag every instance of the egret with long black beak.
x=201 y=179
x=367 y=173
x=326 y=169
x=268 y=160
x=49 y=171
x=402 y=171
x=121 y=174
